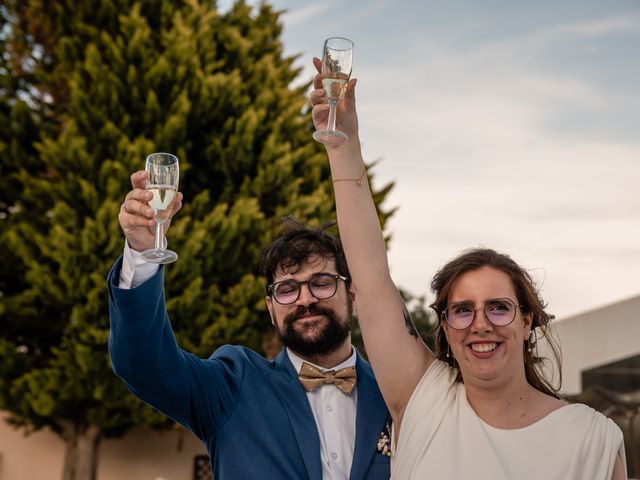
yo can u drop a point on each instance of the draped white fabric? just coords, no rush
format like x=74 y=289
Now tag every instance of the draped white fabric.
x=442 y=437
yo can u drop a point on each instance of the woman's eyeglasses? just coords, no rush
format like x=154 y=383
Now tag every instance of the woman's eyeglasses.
x=499 y=311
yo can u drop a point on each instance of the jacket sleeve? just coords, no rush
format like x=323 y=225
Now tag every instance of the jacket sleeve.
x=199 y=394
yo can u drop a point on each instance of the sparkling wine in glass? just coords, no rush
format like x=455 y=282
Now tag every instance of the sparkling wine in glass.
x=162 y=181
x=337 y=61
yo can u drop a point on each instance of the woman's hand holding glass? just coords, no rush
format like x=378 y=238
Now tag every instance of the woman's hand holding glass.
x=346 y=118
x=136 y=215
x=336 y=66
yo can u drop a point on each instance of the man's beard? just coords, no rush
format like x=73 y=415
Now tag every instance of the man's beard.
x=331 y=336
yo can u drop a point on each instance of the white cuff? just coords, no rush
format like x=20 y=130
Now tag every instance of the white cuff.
x=135 y=270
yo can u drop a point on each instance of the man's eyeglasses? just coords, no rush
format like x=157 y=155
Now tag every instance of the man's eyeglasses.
x=321 y=286
x=499 y=311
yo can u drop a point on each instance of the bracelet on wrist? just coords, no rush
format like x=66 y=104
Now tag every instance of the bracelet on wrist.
x=358 y=180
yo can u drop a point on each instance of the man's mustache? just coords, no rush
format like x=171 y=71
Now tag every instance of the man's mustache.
x=302 y=311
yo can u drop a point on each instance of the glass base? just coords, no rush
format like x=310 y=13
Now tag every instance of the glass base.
x=330 y=137
x=154 y=255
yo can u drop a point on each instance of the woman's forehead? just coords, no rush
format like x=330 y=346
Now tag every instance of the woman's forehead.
x=481 y=284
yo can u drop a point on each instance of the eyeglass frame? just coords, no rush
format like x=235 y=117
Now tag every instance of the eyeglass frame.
x=270 y=289
x=473 y=318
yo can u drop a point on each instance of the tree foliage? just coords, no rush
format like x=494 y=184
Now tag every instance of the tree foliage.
x=87 y=90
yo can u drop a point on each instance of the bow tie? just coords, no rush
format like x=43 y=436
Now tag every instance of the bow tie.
x=312 y=377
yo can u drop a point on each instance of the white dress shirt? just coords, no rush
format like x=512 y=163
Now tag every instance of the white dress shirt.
x=135 y=270
x=335 y=416
x=333 y=411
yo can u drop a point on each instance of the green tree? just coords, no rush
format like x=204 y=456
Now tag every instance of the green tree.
x=88 y=88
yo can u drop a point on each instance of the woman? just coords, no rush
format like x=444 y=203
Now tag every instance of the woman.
x=479 y=408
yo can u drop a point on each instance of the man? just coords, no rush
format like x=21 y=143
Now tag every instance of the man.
x=257 y=419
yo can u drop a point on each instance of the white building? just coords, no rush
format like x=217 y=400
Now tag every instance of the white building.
x=598 y=338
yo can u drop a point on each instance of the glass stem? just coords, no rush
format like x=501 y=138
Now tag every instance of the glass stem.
x=331 y=122
x=159 y=234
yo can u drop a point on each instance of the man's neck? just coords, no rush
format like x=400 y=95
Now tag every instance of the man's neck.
x=329 y=360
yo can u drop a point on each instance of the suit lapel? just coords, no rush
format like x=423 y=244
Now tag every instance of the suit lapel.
x=370 y=419
x=288 y=388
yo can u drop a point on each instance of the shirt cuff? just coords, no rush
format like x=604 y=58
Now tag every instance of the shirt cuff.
x=135 y=270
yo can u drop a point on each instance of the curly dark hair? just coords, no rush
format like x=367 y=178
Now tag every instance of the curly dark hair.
x=299 y=242
x=528 y=297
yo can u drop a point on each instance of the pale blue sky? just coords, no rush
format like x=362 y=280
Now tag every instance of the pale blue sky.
x=513 y=125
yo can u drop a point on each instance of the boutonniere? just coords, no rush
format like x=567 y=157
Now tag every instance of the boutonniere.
x=384 y=442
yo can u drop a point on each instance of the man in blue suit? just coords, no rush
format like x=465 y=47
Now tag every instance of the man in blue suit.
x=314 y=412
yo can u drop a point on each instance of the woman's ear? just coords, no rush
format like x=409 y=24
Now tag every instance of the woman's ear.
x=444 y=325
x=527 y=321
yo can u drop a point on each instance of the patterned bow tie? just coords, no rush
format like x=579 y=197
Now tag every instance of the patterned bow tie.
x=312 y=377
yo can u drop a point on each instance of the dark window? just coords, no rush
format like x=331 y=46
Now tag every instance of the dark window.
x=202 y=468
x=614 y=389
x=622 y=376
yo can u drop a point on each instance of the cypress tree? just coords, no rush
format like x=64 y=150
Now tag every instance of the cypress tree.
x=88 y=89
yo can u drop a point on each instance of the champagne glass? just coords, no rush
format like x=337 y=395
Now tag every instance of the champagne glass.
x=162 y=180
x=337 y=60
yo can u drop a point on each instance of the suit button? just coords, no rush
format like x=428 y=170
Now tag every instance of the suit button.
x=334 y=455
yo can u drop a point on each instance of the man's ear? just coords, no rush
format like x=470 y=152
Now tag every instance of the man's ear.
x=269 y=302
x=352 y=292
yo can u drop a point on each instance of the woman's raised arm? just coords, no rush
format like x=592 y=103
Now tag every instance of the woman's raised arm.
x=398 y=355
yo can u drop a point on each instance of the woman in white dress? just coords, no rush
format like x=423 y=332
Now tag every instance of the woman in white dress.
x=479 y=408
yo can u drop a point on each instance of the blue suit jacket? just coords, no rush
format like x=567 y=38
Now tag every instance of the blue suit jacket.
x=252 y=414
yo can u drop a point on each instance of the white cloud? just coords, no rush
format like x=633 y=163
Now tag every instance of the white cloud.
x=596 y=28
x=310 y=12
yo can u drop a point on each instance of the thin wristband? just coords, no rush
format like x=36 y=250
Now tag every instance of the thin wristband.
x=357 y=180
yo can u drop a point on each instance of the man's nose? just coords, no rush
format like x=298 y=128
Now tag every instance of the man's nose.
x=306 y=297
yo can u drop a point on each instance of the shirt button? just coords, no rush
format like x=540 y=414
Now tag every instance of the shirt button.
x=328 y=408
x=334 y=455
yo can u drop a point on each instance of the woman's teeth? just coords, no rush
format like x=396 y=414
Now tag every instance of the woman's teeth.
x=483 y=347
